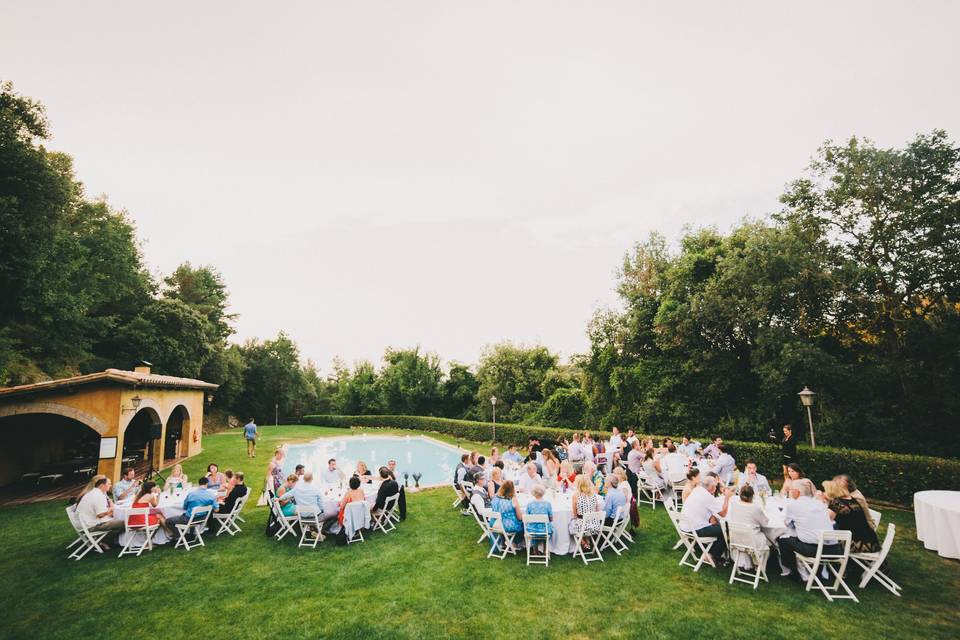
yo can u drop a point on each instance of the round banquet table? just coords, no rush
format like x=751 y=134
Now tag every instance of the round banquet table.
x=561 y=542
x=170 y=506
x=938 y=521
x=332 y=494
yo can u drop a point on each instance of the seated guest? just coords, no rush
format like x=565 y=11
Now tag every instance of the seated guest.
x=460 y=473
x=847 y=483
x=307 y=496
x=285 y=494
x=848 y=514
x=716 y=487
x=747 y=512
x=215 y=479
x=756 y=480
x=584 y=500
x=353 y=494
x=529 y=478
x=539 y=506
x=363 y=472
x=227 y=481
x=298 y=471
x=392 y=468
x=566 y=477
x=590 y=470
x=725 y=465
x=506 y=504
x=651 y=469
x=95 y=511
x=87 y=488
x=496 y=481
x=127 y=487
x=148 y=498
x=794 y=474
x=550 y=473
x=701 y=513
x=713 y=449
x=688 y=447
x=332 y=475
x=615 y=499
x=487 y=490
x=674 y=466
x=202 y=496
x=388 y=488
x=494 y=456
x=631 y=437
x=177 y=478
x=512 y=455
x=623 y=484
x=589 y=447
x=237 y=491
x=477 y=470
x=693 y=481
x=809 y=516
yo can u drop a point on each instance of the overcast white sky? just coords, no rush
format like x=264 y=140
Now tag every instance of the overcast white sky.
x=453 y=174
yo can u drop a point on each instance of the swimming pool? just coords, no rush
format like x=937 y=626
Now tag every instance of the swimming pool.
x=414 y=454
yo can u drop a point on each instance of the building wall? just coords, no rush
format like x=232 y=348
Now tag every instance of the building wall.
x=108 y=409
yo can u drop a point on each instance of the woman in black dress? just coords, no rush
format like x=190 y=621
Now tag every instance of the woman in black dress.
x=849 y=516
x=789 y=448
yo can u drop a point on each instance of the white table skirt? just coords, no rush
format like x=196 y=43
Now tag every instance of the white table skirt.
x=938 y=521
x=561 y=542
x=170 y=507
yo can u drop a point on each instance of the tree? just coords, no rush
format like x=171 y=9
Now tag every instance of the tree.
x=169 y=334
x=460 y=390
x=410 y=382
x=204 y=290
x=515 y=375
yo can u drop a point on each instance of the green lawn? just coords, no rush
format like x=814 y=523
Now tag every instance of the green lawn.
x=429 y=580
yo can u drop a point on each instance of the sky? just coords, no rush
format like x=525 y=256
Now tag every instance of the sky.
x=454 y=174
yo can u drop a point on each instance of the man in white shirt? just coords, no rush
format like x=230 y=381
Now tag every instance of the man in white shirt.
x=575 y=453
x=756 y=480
x=616 y=443
x=95 y=511
x=809 y=516
x=332 y=475
x=586 y=445
x=724 y=465
x=674 y=466
x=528 y=479
x=702 y=512
x=631 y=437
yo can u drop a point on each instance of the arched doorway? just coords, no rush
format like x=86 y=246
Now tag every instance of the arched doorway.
x=141 y=437
x=178 y=427
x=46 y=449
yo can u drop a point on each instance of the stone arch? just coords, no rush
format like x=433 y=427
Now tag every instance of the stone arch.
x=145 y=403
x=56 y=408
x=176 y=431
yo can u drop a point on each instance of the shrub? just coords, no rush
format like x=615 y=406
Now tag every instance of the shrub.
x=880 y=475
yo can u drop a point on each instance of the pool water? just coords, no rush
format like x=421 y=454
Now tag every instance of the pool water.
x=414 y=454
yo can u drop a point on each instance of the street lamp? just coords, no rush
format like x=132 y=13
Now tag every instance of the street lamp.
x=806 y=397
x=493 y=402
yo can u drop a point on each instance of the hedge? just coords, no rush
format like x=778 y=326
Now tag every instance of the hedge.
x=880 y=475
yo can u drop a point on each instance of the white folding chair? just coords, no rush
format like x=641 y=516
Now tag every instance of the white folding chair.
x=613 y=535
x=467 y=492
x=875 y=516
x=478 y=508
x=835 y=563
x=228 y=521
x=675 y=519
x=590 y=529
x=532 y=537
x=198 y=524
x=458 y=493
x=381 y=519
x=741 y=542
x=649 y=493
x=287 y=524
x=134 y=532
x=677 y=491
x=501 y=542
x=88 y=540
x=309 y=521
x=697 y=548
x=356 y=512
x=872 y=562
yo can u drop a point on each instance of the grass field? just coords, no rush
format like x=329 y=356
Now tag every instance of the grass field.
x=427 y=580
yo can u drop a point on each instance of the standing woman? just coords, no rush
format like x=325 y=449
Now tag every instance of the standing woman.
x=275 y=477
x=789 y=448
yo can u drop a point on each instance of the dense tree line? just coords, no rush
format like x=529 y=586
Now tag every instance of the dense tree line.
x=853 y=288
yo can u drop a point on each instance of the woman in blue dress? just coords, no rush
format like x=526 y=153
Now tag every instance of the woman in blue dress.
x=539 y=506
x=506 y=504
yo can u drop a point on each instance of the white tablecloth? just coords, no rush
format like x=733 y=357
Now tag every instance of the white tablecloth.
x=170 y=506
x=938 y=521
x=561 y=542
x=332 y=495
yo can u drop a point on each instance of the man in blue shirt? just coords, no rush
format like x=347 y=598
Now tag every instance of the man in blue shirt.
x=250 y=435
x=199 y=497
x=615 y=498
x=512 y=455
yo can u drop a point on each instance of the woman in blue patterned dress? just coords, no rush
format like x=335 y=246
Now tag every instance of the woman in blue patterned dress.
x=505 y=503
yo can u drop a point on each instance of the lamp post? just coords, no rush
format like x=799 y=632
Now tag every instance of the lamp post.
x=493 y=403
x=806 y=397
